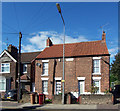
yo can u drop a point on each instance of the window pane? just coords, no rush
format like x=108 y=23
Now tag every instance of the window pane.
x=58 y=86
x=45 y=86
x=5 y=67
x=45 y=68
x=96 y=68
x=96 y=84
x=24 y=67
x=2 y=84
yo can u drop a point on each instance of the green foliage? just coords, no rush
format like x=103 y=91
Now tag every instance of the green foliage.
x=112 y=78
x=48 y=101
x=106 y=91
x=94 y=89
x=117 y=82
x=115 y=69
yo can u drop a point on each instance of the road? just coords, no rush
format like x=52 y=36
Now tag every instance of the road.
x=60 y=110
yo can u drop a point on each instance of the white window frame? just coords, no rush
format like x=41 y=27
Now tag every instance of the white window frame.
x=1 y=68
x=45 y=61
x=97 y=58
x=98 y=79
x=82 y=79
x=5 y=84
x=23 y=68
x=58 y=79
x=44 y=79
x=83 y=85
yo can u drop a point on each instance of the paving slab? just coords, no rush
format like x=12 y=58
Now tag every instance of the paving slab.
x=68 y=106
x=16 y=105
x=109 y=106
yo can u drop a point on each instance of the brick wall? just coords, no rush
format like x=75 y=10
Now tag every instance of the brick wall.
x=96 y=99
x=79 y=67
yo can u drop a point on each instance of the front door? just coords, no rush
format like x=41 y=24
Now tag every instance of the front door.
x=81 y=87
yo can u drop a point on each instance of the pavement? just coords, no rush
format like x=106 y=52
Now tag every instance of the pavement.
x=16 y=105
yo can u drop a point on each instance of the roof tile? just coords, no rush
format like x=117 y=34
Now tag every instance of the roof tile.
x=75 y=49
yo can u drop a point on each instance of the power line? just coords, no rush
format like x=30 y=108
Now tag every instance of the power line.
x=38 y=22
x=9 y=26
x=33 y=17
x=16 y=17
x=18 y=33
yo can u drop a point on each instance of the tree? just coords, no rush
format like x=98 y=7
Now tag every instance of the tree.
x=115 y=69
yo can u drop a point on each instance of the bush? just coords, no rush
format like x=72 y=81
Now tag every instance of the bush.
x=48 y=101
x=94 y=89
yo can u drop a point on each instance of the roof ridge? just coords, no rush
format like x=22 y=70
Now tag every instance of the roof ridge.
x=31 y=52
x=77 y=42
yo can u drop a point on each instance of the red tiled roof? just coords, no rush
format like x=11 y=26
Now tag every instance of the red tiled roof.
x=75 y=49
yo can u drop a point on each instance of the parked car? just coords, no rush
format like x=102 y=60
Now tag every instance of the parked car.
x=11 y=95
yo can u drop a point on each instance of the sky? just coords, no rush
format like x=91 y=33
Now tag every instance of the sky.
x=84 y=21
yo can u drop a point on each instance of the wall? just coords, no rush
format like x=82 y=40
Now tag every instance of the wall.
x=96 y=99
x=13 y=71
x=79 y=67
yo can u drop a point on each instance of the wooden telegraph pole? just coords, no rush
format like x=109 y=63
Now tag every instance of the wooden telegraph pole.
x=19 y=68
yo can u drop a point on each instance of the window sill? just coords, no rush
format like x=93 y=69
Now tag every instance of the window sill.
x=2 y=90
x=96 y=73
x=45 y=75
x=24 y=72
x=46 y=93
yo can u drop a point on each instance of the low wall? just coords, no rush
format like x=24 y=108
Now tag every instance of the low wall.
x=96 y=99
x=25 y=98
x=57 y=99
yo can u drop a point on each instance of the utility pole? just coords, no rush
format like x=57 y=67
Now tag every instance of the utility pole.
x=19 y=68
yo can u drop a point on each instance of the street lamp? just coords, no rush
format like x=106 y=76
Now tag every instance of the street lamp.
x=63 y=80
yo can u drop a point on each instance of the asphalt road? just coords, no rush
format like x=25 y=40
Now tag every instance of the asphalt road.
x=60 y=110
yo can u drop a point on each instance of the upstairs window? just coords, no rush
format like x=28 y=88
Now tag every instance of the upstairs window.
x=96 y=65
x=45 y=68
x=24 y=68
x=5 y=67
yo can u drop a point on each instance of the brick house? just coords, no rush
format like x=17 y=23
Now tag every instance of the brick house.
x=86 y=64
x=9 y=69
x=27 y=68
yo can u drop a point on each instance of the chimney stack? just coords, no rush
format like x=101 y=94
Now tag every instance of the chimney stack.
x=13 y=50
x=49 y=42
x=104 y=36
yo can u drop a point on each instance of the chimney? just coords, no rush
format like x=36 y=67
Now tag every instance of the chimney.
x=13 y=51
x=104 y=36
x=48 y=42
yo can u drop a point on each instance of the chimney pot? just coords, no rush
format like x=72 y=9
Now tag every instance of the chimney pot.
x=104 y=36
